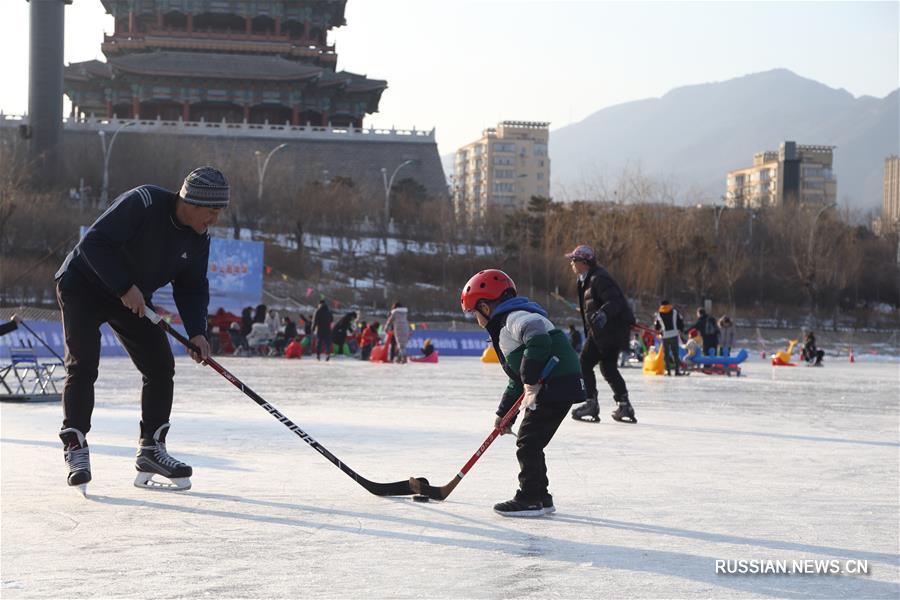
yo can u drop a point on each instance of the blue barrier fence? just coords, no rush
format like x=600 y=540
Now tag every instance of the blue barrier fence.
x=447 y=343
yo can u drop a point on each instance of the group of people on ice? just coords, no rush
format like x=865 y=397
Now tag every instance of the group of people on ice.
x=264 y=333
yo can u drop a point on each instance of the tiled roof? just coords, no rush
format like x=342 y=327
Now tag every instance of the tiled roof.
x=215 y=66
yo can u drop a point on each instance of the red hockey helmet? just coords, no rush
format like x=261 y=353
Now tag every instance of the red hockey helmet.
x=485 y=285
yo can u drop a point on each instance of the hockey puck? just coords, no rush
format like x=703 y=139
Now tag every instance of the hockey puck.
x=421 y=498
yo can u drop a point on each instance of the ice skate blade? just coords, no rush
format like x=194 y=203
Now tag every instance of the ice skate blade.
x=82 y=489
x=522 y=514
x=176 y=484
x=587 y=419
x=625 y=420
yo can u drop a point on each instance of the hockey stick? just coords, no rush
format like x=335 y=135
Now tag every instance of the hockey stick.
x=420 y=485
x=397 y=488
x=41 y=340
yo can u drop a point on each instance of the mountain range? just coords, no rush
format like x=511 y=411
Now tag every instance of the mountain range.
x=693 y=135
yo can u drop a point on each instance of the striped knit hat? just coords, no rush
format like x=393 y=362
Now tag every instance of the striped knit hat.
x=205 y=186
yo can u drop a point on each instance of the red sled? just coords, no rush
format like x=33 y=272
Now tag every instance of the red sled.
x=431 y=358
x=381 y=352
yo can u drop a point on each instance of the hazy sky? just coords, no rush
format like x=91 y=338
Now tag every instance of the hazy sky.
x=463 y=65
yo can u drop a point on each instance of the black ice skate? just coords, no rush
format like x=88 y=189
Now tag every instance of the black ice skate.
x=78 y=458
x=624 y=411
x=519 y=508
x=152 y=459
x=547 y=503
x=589 y=411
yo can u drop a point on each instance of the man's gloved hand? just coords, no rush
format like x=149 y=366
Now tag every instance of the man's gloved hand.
x=598 y=321
x=506 y=429
x=531 y=394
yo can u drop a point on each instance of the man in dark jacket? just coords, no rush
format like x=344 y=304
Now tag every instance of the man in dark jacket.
x=709 y=330
x=322 y=320
x=670 y=326
x=11 y=326
x=607 y=321
x=147 y=238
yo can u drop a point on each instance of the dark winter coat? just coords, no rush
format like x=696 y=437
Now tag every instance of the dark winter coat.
x=341 y=328
x=668 y=322
x=598 y=291
x=708 y=329
x=8 y=327
x=290 y=330
x=322 y=320
x=138 y=241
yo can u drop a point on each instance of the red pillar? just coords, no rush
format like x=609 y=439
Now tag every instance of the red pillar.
x=109 y=110
x=324 y=118
x=159 y=18
x=135 y=107
x=248 y=25
x=306 y=31
x=295 y=115
x=185 y=111
x=130 y=22
x=190 y=24
x=246 y=113
x=277 y=25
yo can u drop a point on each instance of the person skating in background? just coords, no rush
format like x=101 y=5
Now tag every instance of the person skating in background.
x=726 y=335
x=810 y=352
x=575 y=337
x=525 y=340
x=709 y=331
x=398 y=322
x=669 y=323
x=340 y=331
x=10 y=325
x=368 y=340
x=147 y=238
x=607 y=320
x=322 y=320
x=635 y=350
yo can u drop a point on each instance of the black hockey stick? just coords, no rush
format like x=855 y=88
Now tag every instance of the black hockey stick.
x=420 y=484
x=397 y=488
x=41 y=340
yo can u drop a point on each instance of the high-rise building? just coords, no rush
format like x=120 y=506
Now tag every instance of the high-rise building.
x=502 y=170
x=236 y=61
x=890 y=213
x=794 y=173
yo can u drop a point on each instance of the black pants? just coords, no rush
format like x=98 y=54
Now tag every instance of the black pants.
x=535 y=433
x=323 y=342
x=670 y=354
x=84 y=309
x=606 y=357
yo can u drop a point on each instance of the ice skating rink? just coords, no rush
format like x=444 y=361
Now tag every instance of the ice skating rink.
x=782 y=464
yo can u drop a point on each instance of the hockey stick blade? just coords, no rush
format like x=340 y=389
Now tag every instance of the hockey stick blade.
x=441 y=493
x=396 y=488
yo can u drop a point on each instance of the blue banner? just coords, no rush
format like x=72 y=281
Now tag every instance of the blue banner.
x=235 y=277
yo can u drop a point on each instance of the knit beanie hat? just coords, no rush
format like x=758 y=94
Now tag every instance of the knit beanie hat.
x=205 y=186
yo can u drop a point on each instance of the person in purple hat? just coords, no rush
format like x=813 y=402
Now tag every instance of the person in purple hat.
x=607 y=320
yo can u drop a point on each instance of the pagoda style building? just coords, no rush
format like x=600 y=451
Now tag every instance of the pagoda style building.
x=238 y=61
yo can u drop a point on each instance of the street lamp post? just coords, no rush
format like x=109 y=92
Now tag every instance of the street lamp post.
x=262 y=165
x=388 y=184
x=107 y=151
x=812 y=230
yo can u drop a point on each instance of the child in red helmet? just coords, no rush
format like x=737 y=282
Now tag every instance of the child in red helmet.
x=525 y=340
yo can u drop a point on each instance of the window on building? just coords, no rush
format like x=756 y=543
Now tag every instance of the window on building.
x=504 y=173
x=540 y=175
x=503 y=186
x=503 y=160
x=504 y=147
x=540 y=149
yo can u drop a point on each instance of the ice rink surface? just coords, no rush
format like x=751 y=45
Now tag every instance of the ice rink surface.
x=779 y=464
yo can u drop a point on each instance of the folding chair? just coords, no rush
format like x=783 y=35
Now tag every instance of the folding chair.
x=24 y=361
